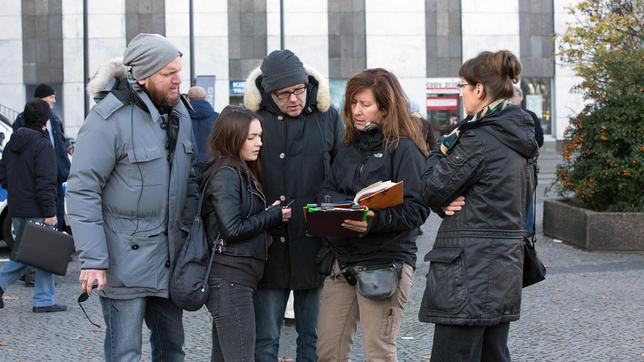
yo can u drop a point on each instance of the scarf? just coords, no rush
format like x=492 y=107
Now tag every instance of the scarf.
x=449 y=140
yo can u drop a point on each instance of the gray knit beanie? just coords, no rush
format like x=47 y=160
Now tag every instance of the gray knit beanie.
x=148 y=54
x=281 y=69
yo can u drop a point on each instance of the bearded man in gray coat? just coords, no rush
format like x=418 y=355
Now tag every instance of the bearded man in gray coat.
x=131 y=197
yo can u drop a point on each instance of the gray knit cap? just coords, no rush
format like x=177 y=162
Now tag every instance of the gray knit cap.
x=281 y=69
x=148 y=54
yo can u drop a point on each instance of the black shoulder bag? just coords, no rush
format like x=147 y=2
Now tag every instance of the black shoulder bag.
x=189 y=279
x=533 y=269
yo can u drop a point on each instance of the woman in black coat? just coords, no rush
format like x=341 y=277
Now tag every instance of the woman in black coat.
x=236 y=217
x=475 y=273
x=382 y=142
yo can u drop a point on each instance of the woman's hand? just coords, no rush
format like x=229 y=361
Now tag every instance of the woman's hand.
x=454 y=206
x=286 y=211
x=286 y=214
x=51 y=220
x=358 y=225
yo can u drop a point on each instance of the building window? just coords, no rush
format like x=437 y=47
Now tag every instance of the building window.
x=442 y=104
x=537 y=97
x=337 y=88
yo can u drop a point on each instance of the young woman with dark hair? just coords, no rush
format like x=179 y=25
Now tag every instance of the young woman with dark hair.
x=236 y=217
x=382 y=142
x=475 y=273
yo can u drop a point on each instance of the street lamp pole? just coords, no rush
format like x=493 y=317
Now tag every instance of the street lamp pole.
x=85 y=58
x=192 y=45
x=282 y=24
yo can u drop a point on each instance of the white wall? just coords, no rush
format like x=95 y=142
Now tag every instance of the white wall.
x=74 y=107
x=12 y=89
x=396 y=41
x=566 y=103
x=211 y=46
x=306 y=29
x=177 y=30
x=489 y=26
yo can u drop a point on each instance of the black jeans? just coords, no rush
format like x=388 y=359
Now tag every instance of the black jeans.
x=233 y=321
x=470 y=344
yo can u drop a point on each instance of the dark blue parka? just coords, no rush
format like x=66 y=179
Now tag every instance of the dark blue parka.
x=203 y=119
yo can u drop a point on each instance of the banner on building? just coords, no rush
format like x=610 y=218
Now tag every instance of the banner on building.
x=207 y=82
x=237 y=88
x=441 y=85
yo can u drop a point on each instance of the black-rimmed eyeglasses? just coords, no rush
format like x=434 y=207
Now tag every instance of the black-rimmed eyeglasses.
x=287 y=94
x=82 y=298
x=460 y=86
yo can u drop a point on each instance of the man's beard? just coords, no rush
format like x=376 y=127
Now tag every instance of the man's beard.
x=162 y=100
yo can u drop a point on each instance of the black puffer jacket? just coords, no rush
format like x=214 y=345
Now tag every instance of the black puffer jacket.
x=393 y=230
x=475 y=271
x=296 y=157
x=28 y=172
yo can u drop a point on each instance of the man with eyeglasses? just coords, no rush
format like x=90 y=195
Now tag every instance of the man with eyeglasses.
x=301 y=135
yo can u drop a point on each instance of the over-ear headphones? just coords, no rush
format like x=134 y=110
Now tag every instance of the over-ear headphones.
x=130 y=76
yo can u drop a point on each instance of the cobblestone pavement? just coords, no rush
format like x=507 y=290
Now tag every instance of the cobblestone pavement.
x=590 y=308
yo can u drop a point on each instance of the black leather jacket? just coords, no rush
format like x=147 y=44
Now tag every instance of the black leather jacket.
x=393 y=231
x=475 y=271
x=235 y=210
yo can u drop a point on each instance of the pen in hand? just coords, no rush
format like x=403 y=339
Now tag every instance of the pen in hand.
x=289 y=204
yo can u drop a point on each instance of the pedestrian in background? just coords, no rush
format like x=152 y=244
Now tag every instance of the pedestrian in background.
x=237 y=218
x=475 y=274
x=301 y=134
x=426 y=130
x=517 y=100
x=28 y=172
x=203 y=119
x=56 y=133
x=132 y=198
x=382 y=142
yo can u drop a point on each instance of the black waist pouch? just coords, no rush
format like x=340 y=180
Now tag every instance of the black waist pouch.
x=377 y=282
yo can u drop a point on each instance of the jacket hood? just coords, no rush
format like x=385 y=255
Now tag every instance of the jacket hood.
x=255 y=98
x=111 y=77
x=514 y=128
x=201 y=110
x=22 y=138
x=106 y=78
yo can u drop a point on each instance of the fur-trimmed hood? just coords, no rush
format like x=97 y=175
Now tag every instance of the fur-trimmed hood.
x=106 y=77
x=253 y=96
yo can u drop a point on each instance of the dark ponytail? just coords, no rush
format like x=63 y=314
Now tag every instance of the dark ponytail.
x=498 y=72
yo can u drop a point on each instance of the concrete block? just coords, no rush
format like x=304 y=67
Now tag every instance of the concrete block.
x=29 y=73
x=42 y=7
x=28 y=7
x=455 y=46
x=593 y=230
x=358 y=6
x=431 y=42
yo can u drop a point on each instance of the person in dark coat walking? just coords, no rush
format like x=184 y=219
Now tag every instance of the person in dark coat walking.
x=237 y=217
x=56 y=133
x=203 y=119
x=475 y=274
x=28 y=172
x=383 y=142
x=301 y=135
x=517 y=100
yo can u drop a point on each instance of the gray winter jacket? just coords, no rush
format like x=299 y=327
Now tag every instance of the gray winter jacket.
x=129 y=210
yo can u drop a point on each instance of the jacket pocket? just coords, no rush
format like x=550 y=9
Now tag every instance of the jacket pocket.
x=146 y=162
x=141 y=262
x=446 y=290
